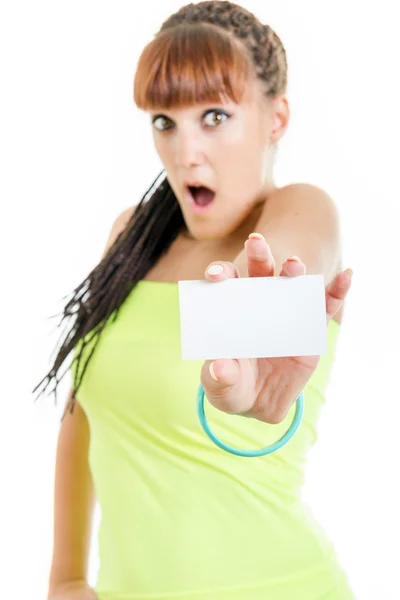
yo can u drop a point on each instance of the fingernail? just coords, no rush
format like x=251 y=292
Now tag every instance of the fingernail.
x=212 y=371
x=349 y=272
x=294 y=258
x=215 y=269
x=257 y=236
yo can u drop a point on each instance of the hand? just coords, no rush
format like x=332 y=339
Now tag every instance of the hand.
x=265 y=388
x=73 y=590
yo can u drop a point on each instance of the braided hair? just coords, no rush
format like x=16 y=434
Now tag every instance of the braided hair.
x=201 y=52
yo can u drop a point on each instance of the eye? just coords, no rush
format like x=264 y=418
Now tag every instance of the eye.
x=217 y=117
x=159 y=121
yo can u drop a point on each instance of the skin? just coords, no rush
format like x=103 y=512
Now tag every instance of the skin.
x=74 y=590
x=265 y=388
x=233 y=156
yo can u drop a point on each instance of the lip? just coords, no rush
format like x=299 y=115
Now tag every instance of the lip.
x=196 y=183
x=199 y=210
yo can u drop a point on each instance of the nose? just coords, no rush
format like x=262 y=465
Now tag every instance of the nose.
x=188 y=148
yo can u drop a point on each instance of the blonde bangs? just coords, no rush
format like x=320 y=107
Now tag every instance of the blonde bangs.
x=191 y=64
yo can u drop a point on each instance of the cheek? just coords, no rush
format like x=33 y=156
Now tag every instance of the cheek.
x=163 y=145
x=243 y=146
x=241 y=167
x=161 y=150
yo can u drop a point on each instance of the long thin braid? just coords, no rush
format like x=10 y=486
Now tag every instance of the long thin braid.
x=149 y=233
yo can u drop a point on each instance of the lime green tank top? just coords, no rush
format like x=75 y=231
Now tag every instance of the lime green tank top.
x=180 y=518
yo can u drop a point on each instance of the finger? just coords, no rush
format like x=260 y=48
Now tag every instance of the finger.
x=335 y=293
x=260 y=262
x=220 y=270
x=232 y=390
x=293 y=267
x=218 y=375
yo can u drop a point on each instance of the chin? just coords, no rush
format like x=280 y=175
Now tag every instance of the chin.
x=208 y=231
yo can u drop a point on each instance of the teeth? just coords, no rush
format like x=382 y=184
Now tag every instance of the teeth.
x=197 y=186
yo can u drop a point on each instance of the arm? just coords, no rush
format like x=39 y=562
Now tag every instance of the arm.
x=302 y=220
x=74 y=497
x=74 y=502
x=299 y=219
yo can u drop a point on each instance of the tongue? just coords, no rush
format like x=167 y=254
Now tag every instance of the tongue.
x=203 y=196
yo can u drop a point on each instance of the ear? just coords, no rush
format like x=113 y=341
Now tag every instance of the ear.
x=281 y=116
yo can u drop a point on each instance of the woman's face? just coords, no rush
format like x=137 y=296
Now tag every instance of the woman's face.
x=226 y=147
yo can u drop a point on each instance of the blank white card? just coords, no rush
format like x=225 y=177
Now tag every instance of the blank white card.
x=253 y=317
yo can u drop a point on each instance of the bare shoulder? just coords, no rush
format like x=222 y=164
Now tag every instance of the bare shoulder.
x=301 y=206
x=123 y=218
x=311 y=201
x=306 y=191
x=118 y=226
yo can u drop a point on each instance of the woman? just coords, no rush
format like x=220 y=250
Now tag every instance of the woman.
x=181 y=519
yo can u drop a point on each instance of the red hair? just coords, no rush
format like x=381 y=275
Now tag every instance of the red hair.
x=189 y=64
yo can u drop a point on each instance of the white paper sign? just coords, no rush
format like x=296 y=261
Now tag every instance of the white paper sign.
x=253 y=317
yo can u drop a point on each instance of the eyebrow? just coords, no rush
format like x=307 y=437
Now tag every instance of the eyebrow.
x=206 y=108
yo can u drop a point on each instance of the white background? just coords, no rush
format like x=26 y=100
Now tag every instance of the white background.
x=75 y=152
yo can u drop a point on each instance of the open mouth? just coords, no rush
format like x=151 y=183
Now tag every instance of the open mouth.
x=202 y=196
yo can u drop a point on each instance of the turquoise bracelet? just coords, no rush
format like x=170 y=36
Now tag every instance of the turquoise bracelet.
x=249 y=453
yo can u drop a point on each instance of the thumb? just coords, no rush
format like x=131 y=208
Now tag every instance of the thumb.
x=220 y=374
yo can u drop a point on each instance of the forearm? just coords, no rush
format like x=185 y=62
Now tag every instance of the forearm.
x=74 y=501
